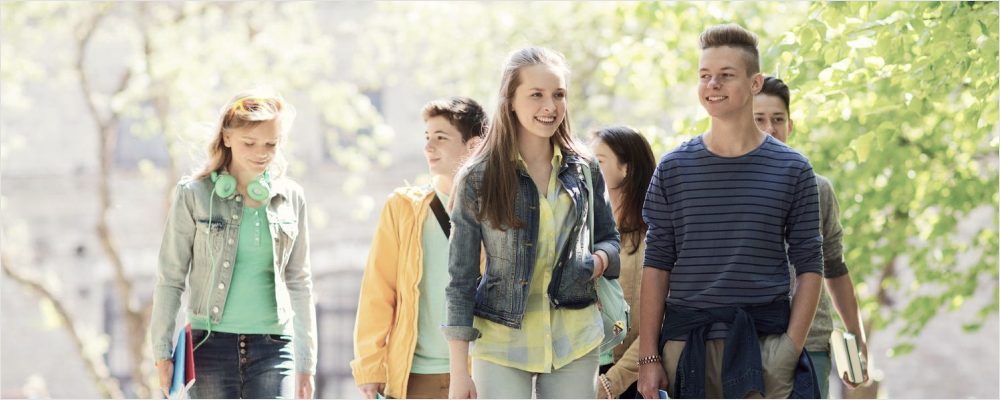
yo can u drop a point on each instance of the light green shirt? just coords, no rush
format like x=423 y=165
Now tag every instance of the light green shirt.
x=251 y=306
x=431 y=355
x=549 y=338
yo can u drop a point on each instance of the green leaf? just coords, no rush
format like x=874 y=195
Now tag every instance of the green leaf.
x=901 y=349
x=862 y=43
x=863 y=146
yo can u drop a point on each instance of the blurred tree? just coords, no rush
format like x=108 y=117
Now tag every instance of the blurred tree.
x=898 y=103
x=633 y=62
x=895 y=102
x=156 y=70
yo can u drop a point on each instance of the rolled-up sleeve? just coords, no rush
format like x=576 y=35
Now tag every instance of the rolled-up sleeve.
x=833 y=232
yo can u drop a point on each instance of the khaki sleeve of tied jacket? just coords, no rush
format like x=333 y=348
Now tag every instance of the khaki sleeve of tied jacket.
x=625 y=371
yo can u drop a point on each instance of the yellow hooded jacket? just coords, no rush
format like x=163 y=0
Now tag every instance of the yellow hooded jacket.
x=385 y=332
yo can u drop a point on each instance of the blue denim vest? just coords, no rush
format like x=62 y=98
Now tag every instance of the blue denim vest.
x=500 y=294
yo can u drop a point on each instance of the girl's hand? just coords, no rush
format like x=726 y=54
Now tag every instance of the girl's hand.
x=304 y=386
x=600 y=264
x=165 y=368
x=461 y=387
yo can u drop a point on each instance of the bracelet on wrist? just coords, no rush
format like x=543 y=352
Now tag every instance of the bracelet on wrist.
x=606 y=385
x=648 y=360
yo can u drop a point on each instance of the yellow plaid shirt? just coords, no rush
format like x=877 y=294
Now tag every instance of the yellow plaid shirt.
x=565 y=334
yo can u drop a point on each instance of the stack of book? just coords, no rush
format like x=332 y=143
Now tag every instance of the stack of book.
x=183 y=365
x=847 y=356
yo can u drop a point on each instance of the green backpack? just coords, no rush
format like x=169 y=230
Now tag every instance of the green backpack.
x=610 y=296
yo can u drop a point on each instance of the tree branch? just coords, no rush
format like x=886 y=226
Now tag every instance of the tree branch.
x=133 y=314
x=107 y=385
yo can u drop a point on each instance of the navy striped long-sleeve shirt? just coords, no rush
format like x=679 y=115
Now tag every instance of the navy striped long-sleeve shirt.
x=720 y=224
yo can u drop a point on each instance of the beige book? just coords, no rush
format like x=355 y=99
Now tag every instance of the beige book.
x=847 y=356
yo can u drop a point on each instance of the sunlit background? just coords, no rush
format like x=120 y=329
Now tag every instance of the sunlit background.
x=106 y=105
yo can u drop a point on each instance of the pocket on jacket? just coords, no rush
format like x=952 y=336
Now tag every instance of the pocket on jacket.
x=208 y=236
x=490 y=291
x=587 y=266
x=578 y=270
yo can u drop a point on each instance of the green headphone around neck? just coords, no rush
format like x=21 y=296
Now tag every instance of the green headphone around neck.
x=258 y=189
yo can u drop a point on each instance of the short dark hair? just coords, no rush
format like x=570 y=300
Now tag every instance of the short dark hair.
x=777 y=88
x=735 y=36
x=463 y=113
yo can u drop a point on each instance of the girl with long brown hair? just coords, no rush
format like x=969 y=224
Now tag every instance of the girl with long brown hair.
x=523 y=199
x=627 y=164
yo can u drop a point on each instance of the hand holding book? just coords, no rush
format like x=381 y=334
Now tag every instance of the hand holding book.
x=850 y=354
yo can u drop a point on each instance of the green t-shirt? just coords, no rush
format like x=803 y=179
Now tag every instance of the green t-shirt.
x=251 y=306
x=431 y=354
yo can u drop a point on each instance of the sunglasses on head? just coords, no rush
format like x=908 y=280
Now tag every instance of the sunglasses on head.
x=250 y=104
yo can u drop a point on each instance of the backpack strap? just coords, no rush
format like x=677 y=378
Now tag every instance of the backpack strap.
x=442 y=216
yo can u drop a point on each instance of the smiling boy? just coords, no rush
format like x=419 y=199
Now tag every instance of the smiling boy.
x=721 y=209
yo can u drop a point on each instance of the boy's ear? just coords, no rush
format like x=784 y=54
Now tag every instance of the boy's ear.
x=791 y=125
x=756 y=83
x=473 y=143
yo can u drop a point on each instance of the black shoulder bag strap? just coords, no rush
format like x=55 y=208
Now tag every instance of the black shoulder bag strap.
x=441 y=215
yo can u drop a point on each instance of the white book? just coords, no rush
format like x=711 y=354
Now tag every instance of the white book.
x=847 y=355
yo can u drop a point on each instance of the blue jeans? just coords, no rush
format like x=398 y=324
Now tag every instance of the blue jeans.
x=821 y=360
x=233 y=366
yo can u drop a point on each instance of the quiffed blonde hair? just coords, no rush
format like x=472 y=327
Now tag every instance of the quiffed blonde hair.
x=735 y=36
x=247 y=110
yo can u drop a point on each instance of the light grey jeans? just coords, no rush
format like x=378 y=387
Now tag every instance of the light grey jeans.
x=572 y=381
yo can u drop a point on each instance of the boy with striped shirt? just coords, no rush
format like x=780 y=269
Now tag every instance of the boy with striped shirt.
x=721 y=209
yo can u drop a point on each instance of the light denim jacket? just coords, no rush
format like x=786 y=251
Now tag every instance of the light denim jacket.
x=184 y=258
x=500 y=294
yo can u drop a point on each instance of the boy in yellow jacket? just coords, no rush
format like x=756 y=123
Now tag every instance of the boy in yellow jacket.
x=399 y=350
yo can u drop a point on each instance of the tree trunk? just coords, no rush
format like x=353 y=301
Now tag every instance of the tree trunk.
x=133 y=314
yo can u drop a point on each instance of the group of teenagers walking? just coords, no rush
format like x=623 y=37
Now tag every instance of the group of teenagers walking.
x=482 y=284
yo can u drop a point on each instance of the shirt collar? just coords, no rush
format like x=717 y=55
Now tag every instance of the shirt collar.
x=557 y=158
